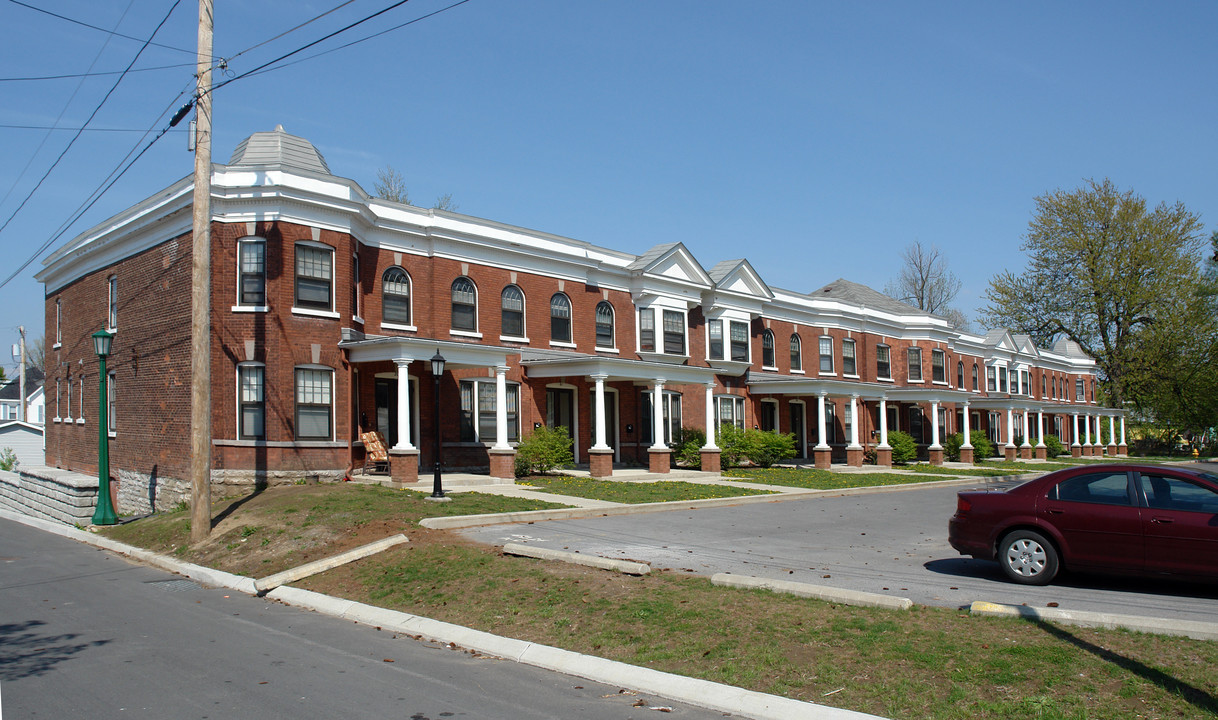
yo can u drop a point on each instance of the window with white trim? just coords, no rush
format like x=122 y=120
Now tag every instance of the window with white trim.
x=395 y=297
x=80 y=406
x=674 y=332
x=974 y=377
x=883 y=363
x=1025 y=382
x=1002 y=379
x=714 y=339
x=58 y=318
x=464 y=305
x=729 y=409
x=849 y=364
x=767 y=349
x=797 y=358
x=739 y=341
x=314 y=277
x=848 y=420
x=604 y=325
x=960 y=374
x=511 y=304
x=357 y=286
x=111 y=407
x=647 y=330
x=914 y=357
x=112 y=299
x=314 y=403
x=826 y=354
x=830 y=424
x=479 y=411
x=938 y=366
x=670 y=404
x=251 y=272
x=57 y=418
x=251 y=401
x=560 y=318
x=991 y=379
x=68 y=417
x=1078 y=389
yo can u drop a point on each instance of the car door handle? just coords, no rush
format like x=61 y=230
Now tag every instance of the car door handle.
x=1162 y=521
x=1055 y=511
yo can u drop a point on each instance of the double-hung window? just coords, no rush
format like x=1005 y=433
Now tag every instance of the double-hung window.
x=1078 y=390
x=797 y=359
x=674 y=332
x=560 y=318
x=604 y=325
x=960 y=374
x=314 y=277
x=730 y=410
x=395 y=296
x=1002 y=379
x=670 y=405
x=314 y=402
x=767 y=349
x=714 y=336
x=252 y=402
x=938 y=366
x=111 y=405
x=849 y=364
x=883 y=363
x=914 y=356
x=58 y=319
x=479 y=411
x=826 y=354
x=975 y=377
x=511 y=302
x=465 y=305
x=112 y=295
x=1025 y=382
x=739 y=340
x=251 y=262
x=647 y=330
x=991 y=381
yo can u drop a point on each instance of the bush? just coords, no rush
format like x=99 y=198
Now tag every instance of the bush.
x=904 y=449
x=8 y=459
x=982 y=447
x=1053 y=446
x=687 y=447
x=951 y=447
x=543 y=450
x=766 y=448
x=732 y=446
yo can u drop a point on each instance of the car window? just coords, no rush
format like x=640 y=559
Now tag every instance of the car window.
x=1169 y=493
x=1107 y=488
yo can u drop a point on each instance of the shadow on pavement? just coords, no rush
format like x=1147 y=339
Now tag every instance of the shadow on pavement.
x=26 y=652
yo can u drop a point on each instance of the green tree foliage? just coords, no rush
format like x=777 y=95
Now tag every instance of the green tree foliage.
x=760 y=447
x=1102 y=268
x=687 y=448
x=1053 y=446
x=8 y=460
x=543 y=450
x=904 y=449
x=982 y=447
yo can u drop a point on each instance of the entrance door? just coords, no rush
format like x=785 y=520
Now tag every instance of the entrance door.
x=797 y=427
x=560 y=409
x=387 y=409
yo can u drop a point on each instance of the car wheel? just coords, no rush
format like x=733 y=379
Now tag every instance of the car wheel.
x=1027 y=557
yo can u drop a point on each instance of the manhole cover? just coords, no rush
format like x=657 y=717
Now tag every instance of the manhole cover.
x=175 y=585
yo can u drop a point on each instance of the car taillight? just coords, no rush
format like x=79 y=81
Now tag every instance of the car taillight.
x=962 y=505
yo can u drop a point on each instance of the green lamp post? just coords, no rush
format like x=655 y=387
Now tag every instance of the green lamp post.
x=104 y=514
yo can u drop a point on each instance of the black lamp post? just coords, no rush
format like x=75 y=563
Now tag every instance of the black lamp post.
x=104 y=514
x=437 y=370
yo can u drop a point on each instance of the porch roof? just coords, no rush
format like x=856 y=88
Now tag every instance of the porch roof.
x=374 y=348
x=541 y=363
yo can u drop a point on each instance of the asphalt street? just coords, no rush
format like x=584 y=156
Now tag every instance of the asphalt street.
x=893 y=543
x=86 y=633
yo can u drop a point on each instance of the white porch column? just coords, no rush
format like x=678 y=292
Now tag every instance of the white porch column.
x=1040 y=428
x=934 y=426
x=1010 y=427
x=657 y=416
x=403 y=442
x=854 y=421
x=501 y=428
x=599 y=419
x=1122 y=429
x=966 y=444
x=711 y=426
x=1086 y=430
x=1076 y=443
x=1112 y=429
x=820 y=422
x=883 y=423
x=1027 y=429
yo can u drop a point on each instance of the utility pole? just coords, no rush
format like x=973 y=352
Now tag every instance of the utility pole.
x=21 y=377
x=200 y=297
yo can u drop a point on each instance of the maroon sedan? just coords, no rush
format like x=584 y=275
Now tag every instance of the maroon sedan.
x=1142 y=519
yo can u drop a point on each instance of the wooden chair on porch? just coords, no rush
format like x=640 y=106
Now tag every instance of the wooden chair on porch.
x=376 y=453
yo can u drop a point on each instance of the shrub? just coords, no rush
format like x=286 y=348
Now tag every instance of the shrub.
x=543 y=450
x=1053 y=446
x=732 y=445
x=951 y=447
x=765 y=448
x=8 y=459
x=982 y=447
x=904 y=449
x=687 y=447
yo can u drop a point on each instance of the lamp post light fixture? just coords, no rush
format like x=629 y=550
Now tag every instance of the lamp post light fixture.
x=104 y=514
x=437 y=370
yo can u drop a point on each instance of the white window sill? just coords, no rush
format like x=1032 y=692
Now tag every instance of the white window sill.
x=56 y=346
x=850 y=377
x=79 y=421
x=513 y=339
x=357 y=319
x=915 y=382
x=251 y=308
x=939 y=383
x=55 y=420
x=112 y=330
x=827 y=374
x=315 y=313
x=560 y=344
x=395 y=326
x=614 y=351
x=112 y=434
x=770 y=367
x=466 y=334
x=798 y=372
x=887 y=380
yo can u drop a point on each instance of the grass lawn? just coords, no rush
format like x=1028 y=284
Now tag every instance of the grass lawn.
x=822 y=479
x=926 y=663
x=633 y=492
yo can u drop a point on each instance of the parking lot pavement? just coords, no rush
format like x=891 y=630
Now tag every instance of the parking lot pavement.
x=891 y=542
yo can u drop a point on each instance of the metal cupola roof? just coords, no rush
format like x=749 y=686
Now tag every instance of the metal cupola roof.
x=277 y=147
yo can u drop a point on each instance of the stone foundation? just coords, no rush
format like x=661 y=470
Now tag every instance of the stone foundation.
x=711 y=461
x=141 y=493
x=883 y=457
x=936 y=456
x=503 y=464
x=659 y=461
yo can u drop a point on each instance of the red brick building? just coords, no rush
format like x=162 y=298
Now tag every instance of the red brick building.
x=328 y=304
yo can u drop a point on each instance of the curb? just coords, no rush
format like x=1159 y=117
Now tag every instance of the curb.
x=622 y=566
x=1160 y=626
x=790 y=587
x=701 y=693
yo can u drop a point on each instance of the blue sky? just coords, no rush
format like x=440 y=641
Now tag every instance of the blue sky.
x=816 y=139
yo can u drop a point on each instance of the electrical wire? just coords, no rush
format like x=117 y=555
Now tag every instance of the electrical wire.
x=86 y=124
x=57 y=127
x=34 y=78
x=99 y=29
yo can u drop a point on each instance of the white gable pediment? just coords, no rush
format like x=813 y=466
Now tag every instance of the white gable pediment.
x=673 y=262
x=744 y=280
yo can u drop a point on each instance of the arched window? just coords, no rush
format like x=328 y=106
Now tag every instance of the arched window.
x=560 y=318
x=960 y=375
x=797 y=359
x=975 y=377
x=465 y=305
x=512 y=302
x=767 y=349
x=395 y=296
x=604 y=324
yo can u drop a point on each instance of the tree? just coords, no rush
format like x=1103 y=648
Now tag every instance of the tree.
x=390 y=185
x=445 y=202
x=1102 y=269
x=35 y=354
x=926 y=283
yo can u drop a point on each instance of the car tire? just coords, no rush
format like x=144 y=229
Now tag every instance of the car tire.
x=1028 y=558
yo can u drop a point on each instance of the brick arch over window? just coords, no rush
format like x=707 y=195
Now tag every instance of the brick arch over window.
x=395 y=296
x=465 y=305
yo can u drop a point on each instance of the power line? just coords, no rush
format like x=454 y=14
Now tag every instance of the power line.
x=57 y=127
x=34 y=78
x=91 y=116
x=99 y=29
